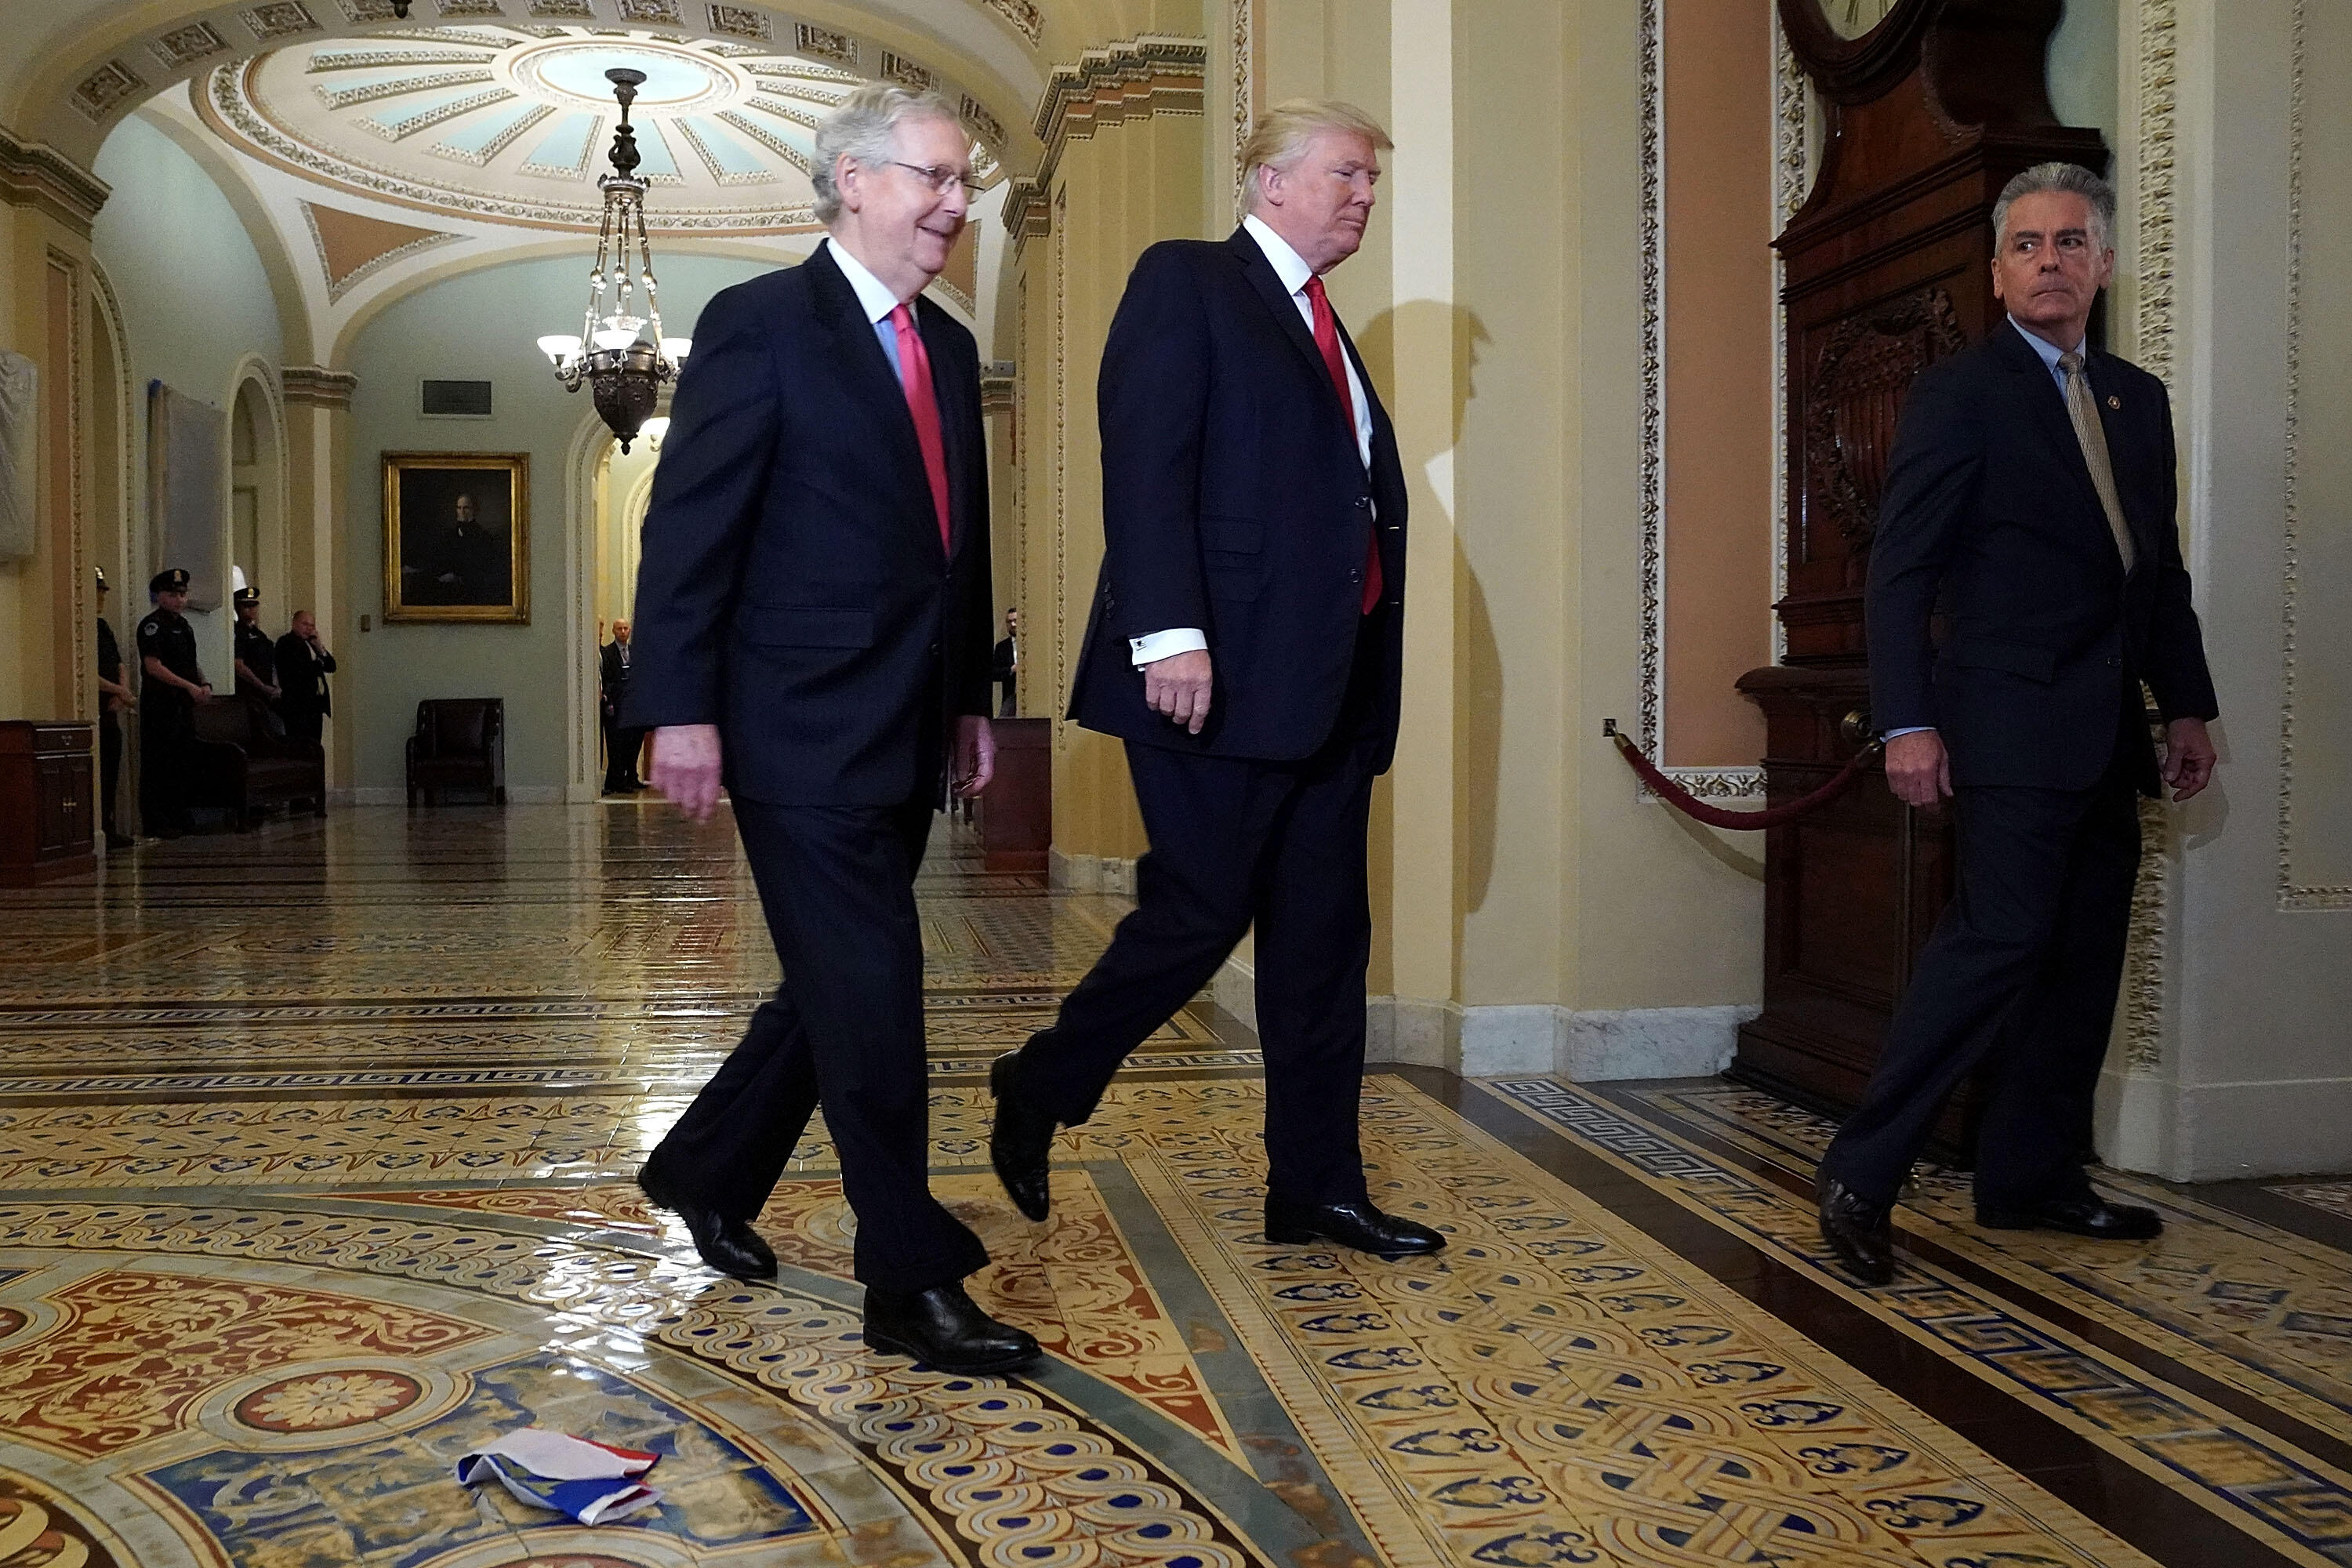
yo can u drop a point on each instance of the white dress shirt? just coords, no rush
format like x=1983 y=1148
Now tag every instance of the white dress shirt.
x=874 y=297
x=2049 y=352
x=1293 y=271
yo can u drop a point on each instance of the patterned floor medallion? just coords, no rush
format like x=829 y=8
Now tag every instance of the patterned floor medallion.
x=315 y=1160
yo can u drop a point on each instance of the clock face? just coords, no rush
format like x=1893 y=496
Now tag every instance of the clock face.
x=1852 y=18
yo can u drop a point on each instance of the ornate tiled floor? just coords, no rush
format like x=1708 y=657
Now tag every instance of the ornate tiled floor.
x=314 y=1159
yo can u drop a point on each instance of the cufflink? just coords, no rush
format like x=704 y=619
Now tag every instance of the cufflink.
x=2114 y=402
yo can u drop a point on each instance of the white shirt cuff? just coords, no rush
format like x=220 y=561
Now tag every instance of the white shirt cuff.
x=1909 y=730
x=1166 y=645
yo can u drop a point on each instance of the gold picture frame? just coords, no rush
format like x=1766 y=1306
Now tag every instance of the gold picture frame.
x=456 y=538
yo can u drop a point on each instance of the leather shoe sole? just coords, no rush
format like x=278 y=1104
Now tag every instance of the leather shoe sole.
x=2102 y=1222
x=1003 y=1361
x=1371 y=1231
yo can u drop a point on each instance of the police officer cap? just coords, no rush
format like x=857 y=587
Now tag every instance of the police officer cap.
x=247 y=596
x=102 y=578
x=172 y=580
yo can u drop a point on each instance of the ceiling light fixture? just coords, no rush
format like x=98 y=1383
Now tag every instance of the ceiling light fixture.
x=620 y=354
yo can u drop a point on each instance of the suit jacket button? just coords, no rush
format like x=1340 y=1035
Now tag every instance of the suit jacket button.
x=1356 y=576
x=935 y=650
x=2115 y=663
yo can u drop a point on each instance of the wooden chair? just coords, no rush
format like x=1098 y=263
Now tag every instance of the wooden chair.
x=460 y=742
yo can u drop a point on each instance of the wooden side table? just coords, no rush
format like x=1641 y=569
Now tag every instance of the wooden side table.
x=1016 y=814
x=48 y=808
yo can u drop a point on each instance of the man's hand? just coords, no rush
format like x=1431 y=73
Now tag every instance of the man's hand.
x=201 y=693
x=2188 y=757
x=685 y=767
x=1918 y=770
x=974 y=763
x=1178 y=686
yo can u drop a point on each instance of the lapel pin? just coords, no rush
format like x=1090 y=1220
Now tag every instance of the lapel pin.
x=2114 y=402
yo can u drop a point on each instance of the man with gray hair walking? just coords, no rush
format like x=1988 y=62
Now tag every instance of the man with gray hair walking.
x=2029 y=503
x=812 y=633
x=1248 y=644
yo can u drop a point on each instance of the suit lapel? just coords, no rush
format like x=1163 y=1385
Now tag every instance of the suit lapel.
x=1284 y=306
x=2046 y=407
x=867 y=370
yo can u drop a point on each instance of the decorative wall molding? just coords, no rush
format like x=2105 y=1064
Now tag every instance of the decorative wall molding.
x=1710 y=783
x=1244 y=47
x=2155 y=129
x=1791 y=162
x=996 y=379
x=2294 y=895
x=1058 y=393
x=1150 y=74
x=316 y=386
x=34 y=175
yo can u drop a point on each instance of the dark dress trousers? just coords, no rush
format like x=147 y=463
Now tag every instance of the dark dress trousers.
x=621 y=744
x=1989 y=523
x=1235 y=501
x=303 y=700
x=167 y=724
x=795 y=591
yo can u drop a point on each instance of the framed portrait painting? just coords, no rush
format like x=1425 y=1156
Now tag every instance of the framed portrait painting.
x=456 y=537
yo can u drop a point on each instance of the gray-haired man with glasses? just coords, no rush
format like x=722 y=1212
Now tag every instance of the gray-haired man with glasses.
x=812 y=633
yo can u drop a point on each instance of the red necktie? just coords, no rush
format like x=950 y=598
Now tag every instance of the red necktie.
x=915 y=374
x=1327 y=338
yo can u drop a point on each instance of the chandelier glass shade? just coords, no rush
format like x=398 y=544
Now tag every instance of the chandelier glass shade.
x=620 y=353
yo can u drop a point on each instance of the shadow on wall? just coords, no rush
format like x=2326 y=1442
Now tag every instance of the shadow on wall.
x=1477 y=742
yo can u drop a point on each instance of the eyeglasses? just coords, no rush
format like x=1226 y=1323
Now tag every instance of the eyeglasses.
x=940 y=177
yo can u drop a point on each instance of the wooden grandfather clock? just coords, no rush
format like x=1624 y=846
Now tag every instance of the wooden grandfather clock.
x=1929 y=108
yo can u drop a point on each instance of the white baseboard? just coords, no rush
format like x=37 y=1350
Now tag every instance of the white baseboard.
x=2226 y=1131
x=1091 y=873
x=1588 y=1046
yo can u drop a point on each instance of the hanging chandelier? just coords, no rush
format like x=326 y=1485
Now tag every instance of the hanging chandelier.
x=619 y=354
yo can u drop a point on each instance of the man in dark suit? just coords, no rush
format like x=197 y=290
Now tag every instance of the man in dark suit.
x=1246 y=643
x=303 y=665
x=622 y=742
x=812 y=631
x=2030 y=497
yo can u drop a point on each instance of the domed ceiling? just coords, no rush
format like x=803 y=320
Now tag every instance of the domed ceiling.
x=511 y=124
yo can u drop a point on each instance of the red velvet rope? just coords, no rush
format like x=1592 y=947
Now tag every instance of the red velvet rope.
x=1698 y=810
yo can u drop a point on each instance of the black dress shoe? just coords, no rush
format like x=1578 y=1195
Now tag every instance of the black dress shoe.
x=1357 y=1225
x=1860 y=1232
x=727 y=1243
x=1020 y=1143
x=2089 y=1214
x=943 y=1327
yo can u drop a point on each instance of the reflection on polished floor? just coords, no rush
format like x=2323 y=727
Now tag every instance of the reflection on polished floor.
x=315 y=1149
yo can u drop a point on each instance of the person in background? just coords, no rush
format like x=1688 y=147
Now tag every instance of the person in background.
x=621 y=744
x=170 y=687
x=113 y=698
x=303 y=665
x=1006 y=665
x=252 y=653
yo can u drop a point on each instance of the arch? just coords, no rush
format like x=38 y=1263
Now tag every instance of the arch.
x=276 y=263
x=256 y=470
x=116 y=544
x=584 y=467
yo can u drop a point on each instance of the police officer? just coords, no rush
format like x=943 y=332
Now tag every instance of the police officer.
x=113 y=697
x=170 y=686
x=255 y=656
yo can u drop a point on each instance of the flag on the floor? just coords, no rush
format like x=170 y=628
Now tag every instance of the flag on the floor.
x=591 y=1482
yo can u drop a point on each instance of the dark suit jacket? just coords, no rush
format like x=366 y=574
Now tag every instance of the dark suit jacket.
x=1234 y=501
x=613 y=675
x=1990 y=524
x=302 y=677
x=793 y=589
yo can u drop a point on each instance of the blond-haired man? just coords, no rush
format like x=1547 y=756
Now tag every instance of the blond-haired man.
x=1246 y=643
